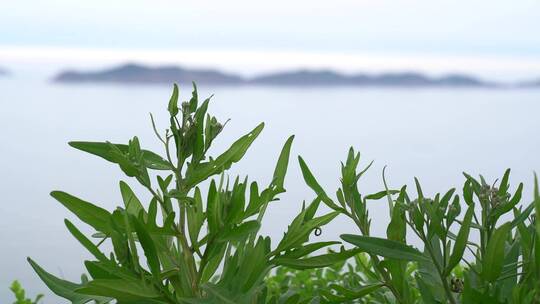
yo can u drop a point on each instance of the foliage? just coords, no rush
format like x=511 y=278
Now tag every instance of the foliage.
x=333 y=284
x=20 y=294
x=502 y=259
x=197 y=240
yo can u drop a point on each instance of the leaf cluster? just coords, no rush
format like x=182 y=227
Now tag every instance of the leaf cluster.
x=197 y=240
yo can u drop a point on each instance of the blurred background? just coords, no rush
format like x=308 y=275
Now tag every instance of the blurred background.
x=427 y=88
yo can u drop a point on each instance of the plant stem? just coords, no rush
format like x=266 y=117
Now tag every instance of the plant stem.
x=377 y=263
x=440 y=271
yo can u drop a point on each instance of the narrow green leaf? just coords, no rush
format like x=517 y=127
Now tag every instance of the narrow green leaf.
x=103 y=270
x=445 y=200
x=474 y=184
x=536 y=187
x=307 y=249
x=493 y=262
x=380 y=194
x=240 y=232
x=358 y=293
x=173 y=101
x=500 y=210
x=503 y=187
x=214 y=260
x=63 y=288
x=197 y=173
x=148 y=246
x=426 y=291
x=103 y=150
x=131 y=202
x=282 y=164
x=383 y=247
x=468 y=192
x=299 y=230
x=213 y=208
x=319 y=261
x=461 y=240
x=194 y=98
x=418 y=188
x=219 y=295
x=121 y=290
x=195 y=216
x=90 y=214
x=310 y=179
x=255 y=200
x=85 y=242
x=523 y=215
x=313 y=184
x=537 y=212
x=199 y=145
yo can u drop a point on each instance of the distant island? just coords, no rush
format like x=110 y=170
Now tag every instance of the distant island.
x=331 y=78
x=3 y=72
x=531 y=84
x=140 y=74
x=134 y=73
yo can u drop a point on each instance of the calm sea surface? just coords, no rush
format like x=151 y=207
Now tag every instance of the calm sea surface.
x=433 y=134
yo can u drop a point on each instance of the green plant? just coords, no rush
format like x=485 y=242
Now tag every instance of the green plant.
x=503 y=267
x=20 y=294
x=506 y=263
x=344 y=282
x=199 y=240
x=389 y=273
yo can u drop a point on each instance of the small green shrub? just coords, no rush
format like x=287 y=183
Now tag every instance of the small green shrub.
x=504 y=266
x=200 y=242
x=343 y=282
x=20 y=294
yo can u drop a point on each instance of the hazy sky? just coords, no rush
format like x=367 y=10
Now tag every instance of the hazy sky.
x=500 y=34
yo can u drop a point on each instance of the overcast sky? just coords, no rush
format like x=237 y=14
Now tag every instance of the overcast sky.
x=486 y=33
